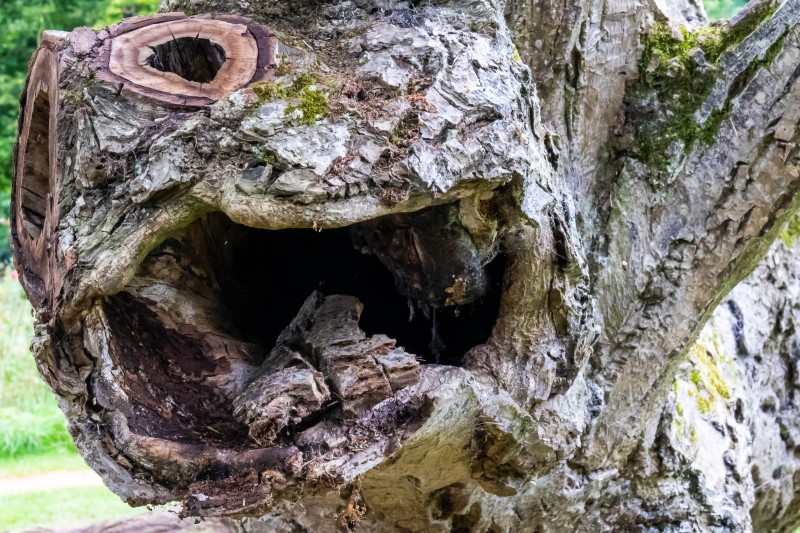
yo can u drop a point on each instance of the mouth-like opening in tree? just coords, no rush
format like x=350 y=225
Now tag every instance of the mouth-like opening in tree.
x=36 y=172
x=206 y=307
x=192 y=58
x=271 y=273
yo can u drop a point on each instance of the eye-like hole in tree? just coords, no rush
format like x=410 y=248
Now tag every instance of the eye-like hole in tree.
x=206 y=307
x=36 y=172
x=192 y=58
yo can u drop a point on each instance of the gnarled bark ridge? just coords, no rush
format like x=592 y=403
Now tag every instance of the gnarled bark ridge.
x=421 y=267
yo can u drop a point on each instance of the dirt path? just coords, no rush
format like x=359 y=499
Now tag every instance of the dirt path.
x=58 y=479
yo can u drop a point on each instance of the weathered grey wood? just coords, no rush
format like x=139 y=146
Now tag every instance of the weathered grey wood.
x=152 y=522
x=569 y=189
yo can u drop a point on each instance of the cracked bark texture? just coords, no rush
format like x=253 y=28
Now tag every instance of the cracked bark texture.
x=443 y=266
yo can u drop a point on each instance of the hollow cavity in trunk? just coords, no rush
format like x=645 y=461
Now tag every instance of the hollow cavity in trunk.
x=192 y=58
x=206 y=307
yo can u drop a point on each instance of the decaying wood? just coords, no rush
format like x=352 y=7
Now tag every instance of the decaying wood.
x=35 y=200
x=421 y=267
x=362 y=371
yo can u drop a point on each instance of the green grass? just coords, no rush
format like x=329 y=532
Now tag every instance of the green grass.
x=45 y=462
x=30 y=420
x=33 y=432
x=61 y=508
x=722 y=9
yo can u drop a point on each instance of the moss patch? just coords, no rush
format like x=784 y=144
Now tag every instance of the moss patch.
x=791 y=232
x=75 y=96
x=303 y=81
x=313 y=106
x=704 y=404
x=679 y=429
x=304 y=94
x=264 y=154
x=267 y=91
x=678 y=69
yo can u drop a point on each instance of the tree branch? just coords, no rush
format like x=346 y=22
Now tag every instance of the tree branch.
x=677 y=246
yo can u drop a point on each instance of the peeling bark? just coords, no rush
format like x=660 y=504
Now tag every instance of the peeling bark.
x=436 y=267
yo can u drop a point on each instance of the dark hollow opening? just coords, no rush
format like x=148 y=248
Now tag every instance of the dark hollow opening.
x=191 y=58
x=206 y=307
x=269 y=274
x=35 y=182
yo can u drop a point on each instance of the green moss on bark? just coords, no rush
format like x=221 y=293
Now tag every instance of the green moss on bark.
x=791 y=232
x=305 y=97
x=678 y=69
x=709 y=383
x=313 y=106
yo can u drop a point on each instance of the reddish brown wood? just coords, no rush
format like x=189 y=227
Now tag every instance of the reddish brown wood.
x=249 y=51
x=34 y=195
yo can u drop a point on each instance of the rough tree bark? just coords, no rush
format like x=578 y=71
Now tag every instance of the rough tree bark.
x=432 y=266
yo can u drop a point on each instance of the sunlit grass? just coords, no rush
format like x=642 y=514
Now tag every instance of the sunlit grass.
x=61 y=508
x=33 y=432
x=61 y=459
x=30 y=420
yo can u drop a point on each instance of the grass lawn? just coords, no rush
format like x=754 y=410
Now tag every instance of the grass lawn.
x=62 y=508
x=70 y=507
x=30 y=421
x=33 y=432
x=45 y=462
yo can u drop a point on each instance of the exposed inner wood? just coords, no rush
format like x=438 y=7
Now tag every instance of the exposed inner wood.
x=34 y=195
x=361 y=371
x=190 y=58
x=35 y=181
x=194 y=59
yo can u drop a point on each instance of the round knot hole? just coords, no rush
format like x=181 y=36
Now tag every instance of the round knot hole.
x=192 y=58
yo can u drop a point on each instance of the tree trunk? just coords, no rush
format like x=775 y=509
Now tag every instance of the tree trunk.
x=422 y=267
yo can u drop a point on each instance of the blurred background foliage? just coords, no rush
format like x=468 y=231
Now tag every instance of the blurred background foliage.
x=720 y=9
x=23 y=21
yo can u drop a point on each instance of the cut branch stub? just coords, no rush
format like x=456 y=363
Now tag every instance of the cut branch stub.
x=34 y=170
x=187 y=61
